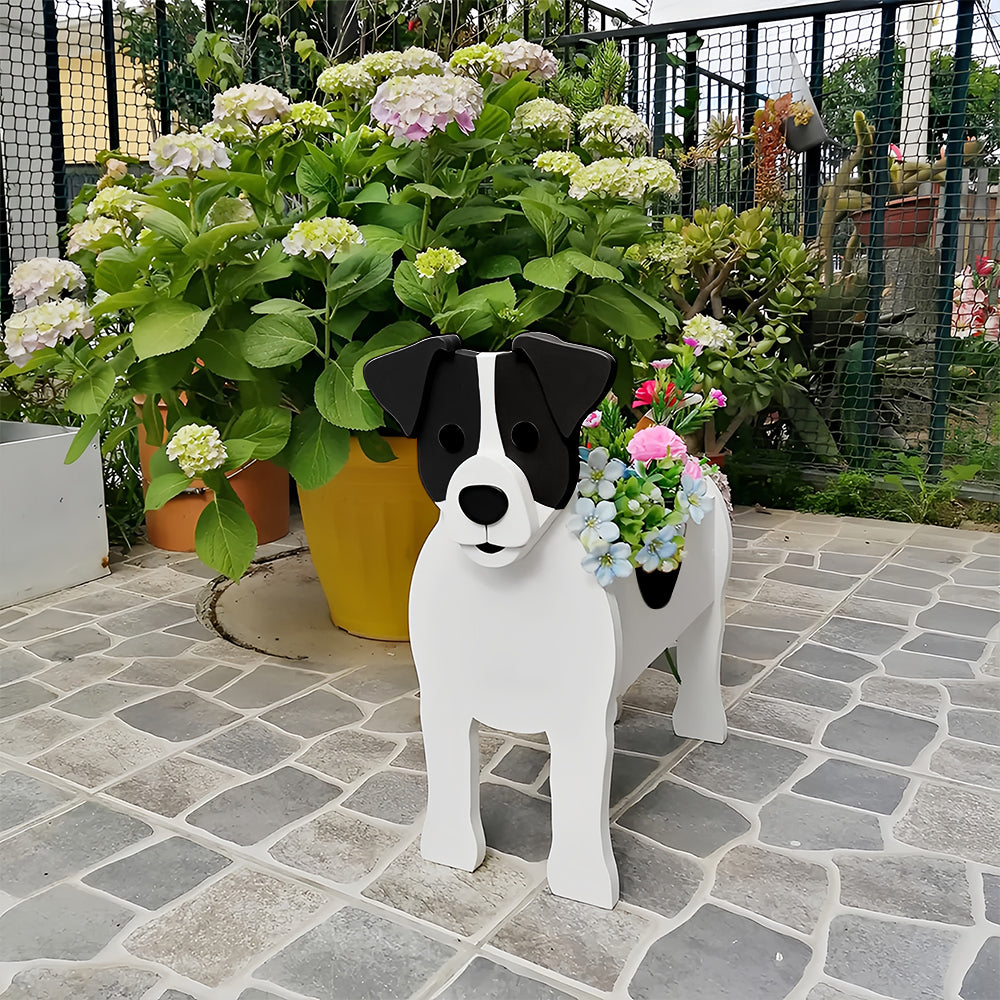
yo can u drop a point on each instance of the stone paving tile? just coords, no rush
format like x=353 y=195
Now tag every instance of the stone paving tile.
x=521 y=764
x=736 y=671
x=152 y=644
x=81 y=672
x=18 y=663
x=799 y=598
x=381 y=682
x=778 y=719
x=653 y=877
x=177 y=716
x=106 y=601
x=214 y=679
x=907 y=576
x=877 y=611
x=755 y=643
x=685 y=820
x=41 y=624
x=809 y=825
x=100 y=699
x=462 y=902
x=916 y=886
x=980 y=982
x=976 y=597
x=824 y=991
x=223 y=929
x=645 y=732
x=251 y=747
x=87 y=983
x=784 y=619
x=160 y=671
x=859 y=637
x=880 y=735
x=973 y=578
x=100 y=754
x=191 y=630
x=784 y=889
x=515 y=823
x=833 y=664
x=340 y=847
x=938 y=644
x=482 y=979
x=258 y=808
x=63 y=922
x=26 y=798
x=794 y=685
x=974 y=724
x=954 y=821
x=801 y=576
x=29 y=734
x=717 y=954
x=8 y=615
x=412 y=758
x=879 y=590
x=656 y=690
x=960 y=619
x=356 y=954
x=400 y=716
x=854 y=785
x=151 y=618
x=170 y=787
x=49 y=851
x=922 y=666
x=904 y=961
x=21 y=696
x=582 y=942
x=349 y=754
x=69 y=645
x=268 y=683
x=939 y=560
x=902 y=695
x=157 y=875
x=970 y=762
x=740 y=768
x=314 y=713
x=395 y=796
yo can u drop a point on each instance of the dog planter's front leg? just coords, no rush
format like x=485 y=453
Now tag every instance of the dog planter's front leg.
x=581 y=863
x=453 y=829
x=699 y=713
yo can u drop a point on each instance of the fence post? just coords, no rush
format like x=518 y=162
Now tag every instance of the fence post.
x=162 y=65
x=632 y=91
x=54 y=94
x=876 y=239
x=110 y=72
x=943 y=343
x=659 y=81
x=750 y=58
x=814 y=156
x=691 y=102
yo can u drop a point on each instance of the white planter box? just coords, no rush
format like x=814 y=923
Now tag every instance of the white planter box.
x=53 y=531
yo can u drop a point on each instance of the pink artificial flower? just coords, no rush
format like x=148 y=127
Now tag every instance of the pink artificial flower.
x=991 y=329
x=717 y=397
x=656 y=442
x=660 y=365
x=692 y=468
x=646 y=394
x=594 y=420
x=984 y=266
x=896 y=152
x=696 y=344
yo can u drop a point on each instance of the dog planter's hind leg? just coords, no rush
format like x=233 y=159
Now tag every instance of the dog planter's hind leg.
x=506 y=627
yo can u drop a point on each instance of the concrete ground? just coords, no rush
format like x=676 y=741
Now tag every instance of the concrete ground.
x=188 y=818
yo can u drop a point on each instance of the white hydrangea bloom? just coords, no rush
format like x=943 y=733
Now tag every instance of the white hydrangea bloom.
x=659 y=177
x=250 y=102
x=45 y=325
x=413 y=60
x=309 y=114
x=43 y=278
x=347 y=79
x=172 y=155
x=520 y=56
x=438 y=260
x=113 y=201
x=558 y=162
x=115 y=169
x=612 y=130
x=326 y=236
x=379 y=65
x=412 y=107
x=196 y=448
x=607 y=178
x=543 y=120
x=474 y=60
x=227 y=133
x=709 y=332
x=87 y=234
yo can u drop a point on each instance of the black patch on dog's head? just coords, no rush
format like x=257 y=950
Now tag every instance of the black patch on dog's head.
x=544 y=389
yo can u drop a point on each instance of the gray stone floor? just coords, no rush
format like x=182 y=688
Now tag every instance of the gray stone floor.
x=185 y=818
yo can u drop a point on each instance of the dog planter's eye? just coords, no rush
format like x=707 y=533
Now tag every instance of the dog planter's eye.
x=452 y=438
x=524 y=435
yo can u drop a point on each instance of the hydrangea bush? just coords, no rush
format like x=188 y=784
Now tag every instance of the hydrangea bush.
x=244 y=273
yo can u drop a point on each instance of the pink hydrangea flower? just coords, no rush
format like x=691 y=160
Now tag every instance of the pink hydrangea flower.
x=656 y=442
x=692 y=468
x=412 y=107
x=594 y=420
x=717 y=397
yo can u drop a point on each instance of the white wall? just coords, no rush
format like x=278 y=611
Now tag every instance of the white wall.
x=665 y=11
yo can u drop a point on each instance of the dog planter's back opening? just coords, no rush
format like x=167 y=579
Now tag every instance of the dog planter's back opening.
x=506 y=628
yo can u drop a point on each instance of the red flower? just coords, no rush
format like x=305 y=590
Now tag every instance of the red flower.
x=984 y=266
x=646 y=394
x=413 y=24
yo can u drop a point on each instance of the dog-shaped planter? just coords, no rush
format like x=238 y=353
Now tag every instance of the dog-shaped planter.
x=507 y=629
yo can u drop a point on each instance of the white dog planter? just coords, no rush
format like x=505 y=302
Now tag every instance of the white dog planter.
x=506 y=627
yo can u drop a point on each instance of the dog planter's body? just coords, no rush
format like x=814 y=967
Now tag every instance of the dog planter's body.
x=519 y=637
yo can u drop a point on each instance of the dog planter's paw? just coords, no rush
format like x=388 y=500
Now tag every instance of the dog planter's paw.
x=595 y=883
x=449 y=847
x=700 y=722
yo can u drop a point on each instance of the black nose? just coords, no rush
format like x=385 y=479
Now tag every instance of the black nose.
x=483 y=504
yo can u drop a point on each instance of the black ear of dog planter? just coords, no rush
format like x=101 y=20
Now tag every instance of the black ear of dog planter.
x=657 y=588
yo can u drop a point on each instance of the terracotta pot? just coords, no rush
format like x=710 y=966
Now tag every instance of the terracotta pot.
x=365 y=529
x=262 y=486
x=908 y=221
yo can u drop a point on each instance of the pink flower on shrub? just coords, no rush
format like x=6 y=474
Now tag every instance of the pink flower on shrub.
x=696 y=344
x=594 y=420
x=660 y=365
x=656 y=442
x=717 y=397
x=646 y=394
x=692 y=468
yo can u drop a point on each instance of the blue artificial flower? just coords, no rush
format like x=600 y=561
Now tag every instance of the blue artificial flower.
x=657 y=546
x=608 y=561
x=594 y=522
x=693 y=498
x=599 y=474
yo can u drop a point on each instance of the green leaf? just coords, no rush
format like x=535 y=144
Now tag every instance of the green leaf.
x=165 y=487
x=253 y=184
x=492 y=123
x=338 y=399
x=375 y=446
x=166 y=224
x=471 y=215
x=122 y=300
x=616 y=310
x=536 y=304
x=266 y=427
x=81 y=440
x=236 y=280
x=374 y=192
x=392 y=337
x=220 y=352
x=513 y=94
x=239 y=451
x=117 y=270
x=317 y=178
x=167 y=326
x=282 y=306
x=362 y=271
x=430 y=190
x=551 y=272
x=204 y=248
x=394 y=217
x=591 y=267
x=810 y=425
x=316 y=450
x=92 y=391
x=225 y=538
x=412 y=290
x=278 y=340
x=501 y=266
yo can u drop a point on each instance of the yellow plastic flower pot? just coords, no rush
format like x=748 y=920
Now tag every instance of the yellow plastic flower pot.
x=365 y=529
